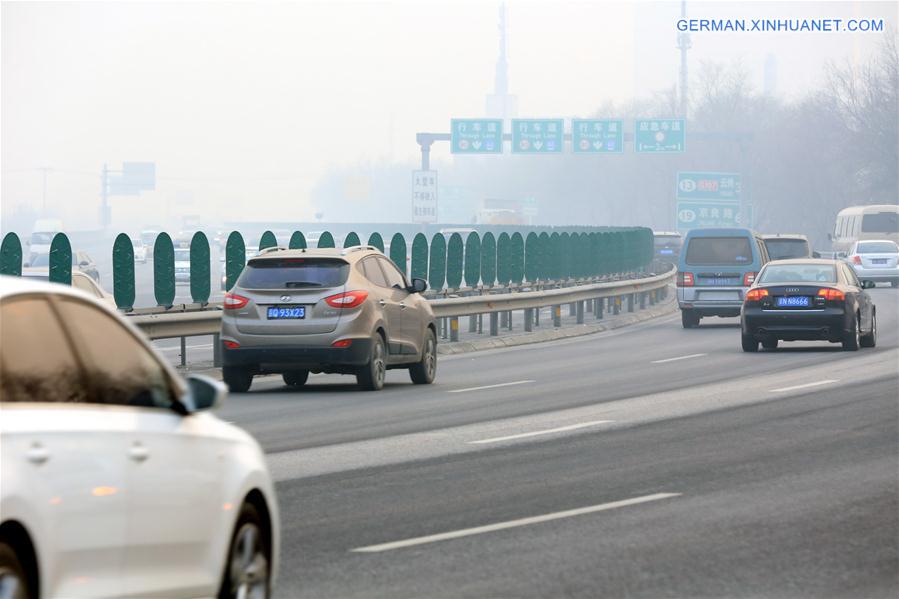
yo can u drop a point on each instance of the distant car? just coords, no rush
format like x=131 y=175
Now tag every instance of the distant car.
x=347 y=311
x=79 y=281
x=667 y=246
x=148 y=236
x=787 y=246
x=876 y=260
x=117 y=480
x=140 y=250
x=182 y=265
x=793 y=300
x=81 y=261
x=715 y=270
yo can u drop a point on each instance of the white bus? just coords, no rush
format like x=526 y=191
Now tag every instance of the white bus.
x=865 y=222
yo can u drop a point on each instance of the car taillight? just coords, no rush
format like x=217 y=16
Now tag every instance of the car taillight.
x=685 y=279
x=233 y=301
x=756 y=295
x=350 y=299
x=342 y=343
x=231 y=344
x=749 y=279
x=856 y=259
x=831 y=294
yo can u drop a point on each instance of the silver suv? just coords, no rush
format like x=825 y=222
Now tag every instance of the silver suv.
x=348 y=311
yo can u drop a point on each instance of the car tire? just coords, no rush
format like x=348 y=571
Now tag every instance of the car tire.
x=870 y=340
x=750 y=343
x=371 y=376
x=247 y=571
x=852 y=339
x=237 y=379
x=689 y=319
x=423 y=372
x=894 y=284
x=13 y=580
x=295 y=378
x=769 y=343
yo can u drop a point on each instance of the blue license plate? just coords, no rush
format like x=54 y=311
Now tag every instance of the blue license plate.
x=285 y=312
x=799 y=301
x=666 y=252
x=878 y=261
x=714 y=281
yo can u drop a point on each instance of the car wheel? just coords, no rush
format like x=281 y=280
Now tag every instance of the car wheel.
x=894 y=284
x=422 y=373
x=371 y=376
x=296 y=378
x=237 y=379
x=750 y=343
x=852 y=339
x=870 y=340
x=247 y=567
x=13 y=581
x=689 y=319
x=769 y=343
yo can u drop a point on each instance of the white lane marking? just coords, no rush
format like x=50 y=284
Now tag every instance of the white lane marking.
x=490 y=386
x=677 y=358
x=477 y=530
x=805 y=386
x=548 y=431
x=178 y=348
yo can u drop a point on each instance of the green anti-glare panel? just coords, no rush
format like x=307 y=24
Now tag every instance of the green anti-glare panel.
x=61 y=259
x=503 y=259
x=454 y=252
x=200 y=275
x=488 y=260
x=565 y=258
x=516 y=265
x=398 y=251
x=297 y=241
x=555 y=257
x=164 y=270
x=437 y=262
x=268 y=240
x=351 y=240
x=593 y=261
x=326 y=240
x=11 y=255
x=419 y=257
x=544 y=256
x=123 y=272
x=376 y=240
x=472 y=268
x=235 y=258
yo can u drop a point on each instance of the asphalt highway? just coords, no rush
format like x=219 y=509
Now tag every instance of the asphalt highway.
x=649 y=461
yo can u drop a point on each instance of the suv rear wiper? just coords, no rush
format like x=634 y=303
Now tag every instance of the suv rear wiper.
x=295 y=284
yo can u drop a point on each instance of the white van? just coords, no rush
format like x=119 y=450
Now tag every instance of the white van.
x=858 y=223
x=42 y=235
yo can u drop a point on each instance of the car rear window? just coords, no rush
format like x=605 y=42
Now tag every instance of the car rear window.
x=877 y=247
x=719 y=251
x=798 y=273
x=782 y=249
x=881 y=222
x=293 y=273
x=667 y=240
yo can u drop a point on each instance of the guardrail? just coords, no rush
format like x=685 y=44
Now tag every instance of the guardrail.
x=582 y=298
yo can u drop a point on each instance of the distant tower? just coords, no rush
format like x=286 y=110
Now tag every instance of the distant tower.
x=770 y=76
x=501 y=104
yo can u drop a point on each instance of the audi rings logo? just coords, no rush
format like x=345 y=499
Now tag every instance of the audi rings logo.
x=285 y=298
x=792 y=289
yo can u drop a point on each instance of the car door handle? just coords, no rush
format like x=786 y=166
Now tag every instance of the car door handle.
x=402 y=305
x=38 y=454
x=138 y=452
x=382 y=302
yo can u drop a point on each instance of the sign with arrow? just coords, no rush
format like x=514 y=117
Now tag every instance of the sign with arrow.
x=476 y=136
x=537 y=136
x=596 y=136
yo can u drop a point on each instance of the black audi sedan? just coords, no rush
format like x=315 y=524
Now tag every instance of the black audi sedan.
x=808 y=300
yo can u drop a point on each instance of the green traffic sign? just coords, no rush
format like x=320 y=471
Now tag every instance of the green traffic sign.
x=660 y=135
x=698 y=214
x=537 y=136
x=713 y=186
x=476 y=136
x=598 y=136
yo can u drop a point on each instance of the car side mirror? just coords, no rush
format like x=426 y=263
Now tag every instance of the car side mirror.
x=418 y=286
x=868 y=284
x=204 y=393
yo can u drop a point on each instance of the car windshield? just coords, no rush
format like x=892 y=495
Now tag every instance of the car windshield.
x=719 y=251
x=877 y=247
x=881 y=222
x=798 y=273
x=294 y=273
x=42 y=238
x=668 y=241
x=783 y=249
x=148 y=237
x=137 y=243
x=182 y=255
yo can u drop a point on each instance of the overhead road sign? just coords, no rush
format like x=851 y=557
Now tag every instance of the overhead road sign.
x=424 y=196
x=709 y=186
x=599 y=136
x=695 y=215
x=660 y=135
x=476 y=136
x=538 y=136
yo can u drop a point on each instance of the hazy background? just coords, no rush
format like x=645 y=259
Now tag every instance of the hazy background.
x=281 y=111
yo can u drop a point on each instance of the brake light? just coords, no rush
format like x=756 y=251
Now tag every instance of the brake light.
x=342 y=343
x=231 y=344
x=831 y=294
x=749 y=279
x=350 y=299
x=685 y=279
x=856 y=259
x=233 y=301
x=756 y=295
